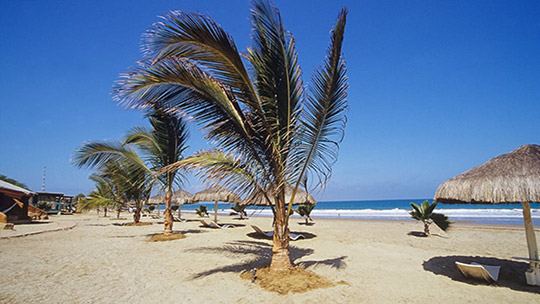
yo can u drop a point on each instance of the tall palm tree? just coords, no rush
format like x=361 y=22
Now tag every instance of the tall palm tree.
x=163 y=145
x=269 y=130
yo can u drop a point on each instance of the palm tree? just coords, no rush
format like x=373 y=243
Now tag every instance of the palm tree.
x=304 y=210
x=163 y=145
x=122 y=168
x=425 y=214
x=240 y=209
x=269 y=130
x=202 y=211
x=103 y=196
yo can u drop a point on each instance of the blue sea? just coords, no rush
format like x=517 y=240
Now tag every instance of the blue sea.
x=504 y=214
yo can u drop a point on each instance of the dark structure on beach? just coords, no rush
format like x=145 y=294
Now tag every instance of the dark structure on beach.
x=14 y=202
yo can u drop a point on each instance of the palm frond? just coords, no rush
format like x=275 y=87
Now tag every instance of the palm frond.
x=277 y=73
x=174 y=83
x=441 y=221
x=238 y=174
x=200 y=39
x=323 y=120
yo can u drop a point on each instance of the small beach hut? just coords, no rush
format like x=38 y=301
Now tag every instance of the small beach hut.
x=301 y=197
x=14 y=203
x=507 y=179
x=216 y=194
x=181 y=197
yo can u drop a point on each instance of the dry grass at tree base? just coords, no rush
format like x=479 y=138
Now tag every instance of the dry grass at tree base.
x=138 y=224
x=163 y=237
x=296 y=280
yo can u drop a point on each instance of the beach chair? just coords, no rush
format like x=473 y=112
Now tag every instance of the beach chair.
x=216 y=225
x=177 y=219
x=480 y=272
x=212 y=224
x=269 y=234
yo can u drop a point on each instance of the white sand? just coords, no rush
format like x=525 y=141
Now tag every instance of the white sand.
x=98 y=262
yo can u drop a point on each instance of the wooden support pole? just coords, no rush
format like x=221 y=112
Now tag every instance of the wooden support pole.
x=215 y=212
x=529 y=232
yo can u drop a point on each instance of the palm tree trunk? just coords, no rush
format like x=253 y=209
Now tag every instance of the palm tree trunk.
x=281 y=260
x=168 y=226
x=179 y=210
x=105 y=212
x=137 y=214
x=118 y=209
x=426 y=228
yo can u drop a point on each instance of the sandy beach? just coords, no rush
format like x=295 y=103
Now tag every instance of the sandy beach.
x=98 y=261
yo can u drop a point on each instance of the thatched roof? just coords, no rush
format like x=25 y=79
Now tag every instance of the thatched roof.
x=181 y=197
x=510 y=178
x=214 y=194
x=301 y=197
x=154 y=200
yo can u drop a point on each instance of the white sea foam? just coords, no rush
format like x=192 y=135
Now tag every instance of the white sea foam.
x=403 y=213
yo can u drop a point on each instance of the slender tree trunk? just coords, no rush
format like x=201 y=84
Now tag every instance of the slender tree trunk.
x=105 y=212
x=97 y=211
x=281 y=260
x=307 y=220
x=168 y=226
x=118 y=212
x=179 y=210
x=137 y=214
x=426 y=228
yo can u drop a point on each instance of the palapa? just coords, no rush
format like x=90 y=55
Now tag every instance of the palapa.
x=216 y=194
x=181 y=197
x=301 y=197
x=507 y=179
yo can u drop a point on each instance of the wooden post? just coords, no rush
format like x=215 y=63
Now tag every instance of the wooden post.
x=529 y=232
x=215 y=212
x=532 y=275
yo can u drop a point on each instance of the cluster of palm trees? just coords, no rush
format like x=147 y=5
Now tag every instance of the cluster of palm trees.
x=270 y=129
x=125 y=176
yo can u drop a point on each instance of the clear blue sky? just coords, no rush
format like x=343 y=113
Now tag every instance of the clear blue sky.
x=436 y=87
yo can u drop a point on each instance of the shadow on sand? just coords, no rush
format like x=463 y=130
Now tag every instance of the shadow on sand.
x=258 y=236
x=511 y=275
x=423 y=235
x=263 y=255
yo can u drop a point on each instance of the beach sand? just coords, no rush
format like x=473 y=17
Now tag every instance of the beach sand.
x=99 y=262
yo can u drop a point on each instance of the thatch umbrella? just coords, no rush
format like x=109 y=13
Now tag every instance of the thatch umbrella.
x=301 y=197
x=181 y=197
x=507 y=179
x=216 y=194
x=156 y=200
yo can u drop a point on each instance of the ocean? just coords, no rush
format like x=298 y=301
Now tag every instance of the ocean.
x=504 y=214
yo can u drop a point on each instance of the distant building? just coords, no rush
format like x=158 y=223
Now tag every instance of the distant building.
x=14 y=202
x=54 y=203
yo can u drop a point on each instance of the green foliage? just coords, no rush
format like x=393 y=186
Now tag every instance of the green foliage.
x=174 y=208
x=151 y=208
x=13 y=182
x=304 y=210
x=240 y=209
x=202 y=211
x=425 y=214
